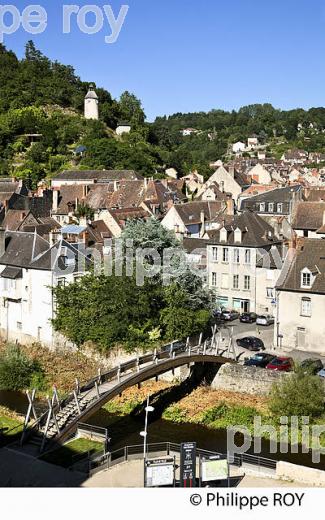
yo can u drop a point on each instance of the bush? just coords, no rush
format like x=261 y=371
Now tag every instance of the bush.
x=18 y=372
x=301 y=394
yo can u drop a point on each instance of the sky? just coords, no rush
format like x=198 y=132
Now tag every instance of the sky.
x=194 y=55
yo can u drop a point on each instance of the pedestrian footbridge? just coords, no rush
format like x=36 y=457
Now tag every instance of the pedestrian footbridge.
x=60 y=421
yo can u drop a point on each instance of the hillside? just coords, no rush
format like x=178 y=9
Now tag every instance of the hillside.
x=39 y=96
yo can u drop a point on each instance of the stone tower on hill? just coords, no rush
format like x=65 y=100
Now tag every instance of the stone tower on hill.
x=91 y=104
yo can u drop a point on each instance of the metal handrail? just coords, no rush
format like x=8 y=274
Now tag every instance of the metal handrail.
x=123 y=453
x=88 y=387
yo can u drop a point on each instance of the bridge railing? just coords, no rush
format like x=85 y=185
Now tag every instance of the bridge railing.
x=116 y=372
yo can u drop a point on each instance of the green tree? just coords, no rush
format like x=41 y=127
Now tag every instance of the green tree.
x=299 y=394
x=17 y=371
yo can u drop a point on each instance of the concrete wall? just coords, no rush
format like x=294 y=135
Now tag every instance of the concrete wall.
x=248 y=380
x=310 y=476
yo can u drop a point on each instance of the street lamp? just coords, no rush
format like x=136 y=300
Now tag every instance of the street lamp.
x=144 y=433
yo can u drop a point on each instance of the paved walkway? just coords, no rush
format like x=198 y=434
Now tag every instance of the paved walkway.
x=21 y=470
x=130 y=475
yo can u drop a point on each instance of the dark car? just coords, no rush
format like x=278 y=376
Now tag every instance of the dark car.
x=217 y=314
x=230 y=315
x=251 y=343
x=312 y=365
x=177 y=346
x=259 y=360
x=248 y=317
x=283 y=364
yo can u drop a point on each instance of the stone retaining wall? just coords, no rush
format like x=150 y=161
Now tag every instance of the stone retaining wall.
x=249 y=380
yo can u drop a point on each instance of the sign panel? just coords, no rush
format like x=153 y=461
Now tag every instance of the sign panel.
x=214 y=468
x=160 y=472
x=188 y=464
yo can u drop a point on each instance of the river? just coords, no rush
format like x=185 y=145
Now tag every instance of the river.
x=126 y=431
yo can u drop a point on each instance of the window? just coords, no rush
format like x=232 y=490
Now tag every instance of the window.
x=280 y=208
x=236 y=256
x=306 y=307
x=235 y=281
x=269 y=292
x=224 y=281
x=306 y=280
x=247 y=283
x=8 y=284
x=61 y=282
x=247 y=256
x=214 y=279
x=215 y=254
x=271 y=207
x=262 y=206
x=19 y=325
x=225 y=254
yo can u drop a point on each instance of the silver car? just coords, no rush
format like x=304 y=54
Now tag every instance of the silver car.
x=265 y=320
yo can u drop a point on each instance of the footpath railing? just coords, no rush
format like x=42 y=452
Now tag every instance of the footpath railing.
x=96 y=463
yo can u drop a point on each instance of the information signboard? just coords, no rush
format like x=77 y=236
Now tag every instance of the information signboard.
x=188 y=464
x=160 y=472
x=214 y=467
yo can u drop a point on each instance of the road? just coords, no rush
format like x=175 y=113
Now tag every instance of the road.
x=266 y=334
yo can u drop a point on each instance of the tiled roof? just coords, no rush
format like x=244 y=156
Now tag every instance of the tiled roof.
x=309 y=215
x=255 y=231
x=190 y=212
x=103 y=175
x=310 y=254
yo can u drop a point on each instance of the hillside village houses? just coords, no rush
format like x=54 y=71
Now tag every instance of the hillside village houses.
x=244 y=260
x=236 y=225
x=29 y=267
x=300 y=297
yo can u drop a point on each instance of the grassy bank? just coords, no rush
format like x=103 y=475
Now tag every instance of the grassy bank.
x=73 y=451
x=11 y=425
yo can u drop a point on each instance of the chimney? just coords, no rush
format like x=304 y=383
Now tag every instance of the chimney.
x=230 y=206
x=202 y=218
x=55 y=201
x=115 y=185
x=2 y=241
x=85 y=190
x=231 y=170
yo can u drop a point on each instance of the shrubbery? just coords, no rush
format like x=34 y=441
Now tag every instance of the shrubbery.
x=18 y=371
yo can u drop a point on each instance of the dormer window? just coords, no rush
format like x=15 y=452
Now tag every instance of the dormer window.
x=238 y=236
x=306 y=279
x=271 y=207
x=223 y=235
x=280 y=208
x=262 y=206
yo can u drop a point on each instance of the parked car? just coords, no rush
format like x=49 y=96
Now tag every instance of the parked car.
x=248 y=317
x=283 y=364
x=265 y=320
x=312 y=365
x=230 y=315
x=259 y=360
x=177 y=346
x=251 y=343
x=321 y=373
x=217 y=313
